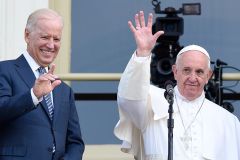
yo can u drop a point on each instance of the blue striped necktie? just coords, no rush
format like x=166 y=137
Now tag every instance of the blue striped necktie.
x=48 y=97
x=49 y=102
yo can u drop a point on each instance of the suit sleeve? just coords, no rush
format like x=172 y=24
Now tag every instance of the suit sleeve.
x=74 y=142
x=12 y=103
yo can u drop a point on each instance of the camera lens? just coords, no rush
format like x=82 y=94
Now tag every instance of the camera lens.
x=164 y=66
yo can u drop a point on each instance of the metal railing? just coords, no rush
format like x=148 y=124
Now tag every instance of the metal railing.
x=92 y=77
x=117 y=76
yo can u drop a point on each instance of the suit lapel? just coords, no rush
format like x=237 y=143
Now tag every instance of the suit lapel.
x=57 y=93
x=25 y=71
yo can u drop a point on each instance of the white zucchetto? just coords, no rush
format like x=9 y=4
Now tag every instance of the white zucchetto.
x=193 y=47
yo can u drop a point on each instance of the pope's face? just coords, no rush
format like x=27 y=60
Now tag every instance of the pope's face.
x=192 y=73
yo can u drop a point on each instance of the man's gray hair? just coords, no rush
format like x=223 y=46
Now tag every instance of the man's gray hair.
x=44 y=13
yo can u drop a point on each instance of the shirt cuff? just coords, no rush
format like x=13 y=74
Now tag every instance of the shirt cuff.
x=35 y=99
x=140 y=59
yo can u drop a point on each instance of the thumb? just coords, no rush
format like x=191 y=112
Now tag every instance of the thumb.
x=56 y=83
x=158 y=34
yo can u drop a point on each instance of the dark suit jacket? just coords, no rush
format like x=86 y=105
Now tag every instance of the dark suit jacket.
x=26 y=131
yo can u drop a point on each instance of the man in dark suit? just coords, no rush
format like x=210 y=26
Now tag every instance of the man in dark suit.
x=38 y=117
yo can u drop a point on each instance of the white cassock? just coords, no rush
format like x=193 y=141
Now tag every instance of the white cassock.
x=202 y=130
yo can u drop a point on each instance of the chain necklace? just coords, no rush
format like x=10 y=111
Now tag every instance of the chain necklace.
x=186 y=138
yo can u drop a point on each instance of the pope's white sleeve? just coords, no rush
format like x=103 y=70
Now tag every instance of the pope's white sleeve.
x=133 y=91
x=136 y=111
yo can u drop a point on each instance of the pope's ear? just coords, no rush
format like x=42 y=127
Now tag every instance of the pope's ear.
x=210 y=73
x=174 y=70
x=209 y=76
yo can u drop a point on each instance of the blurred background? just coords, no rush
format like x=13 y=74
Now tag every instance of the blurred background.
x=102 y=42
x=97 y=40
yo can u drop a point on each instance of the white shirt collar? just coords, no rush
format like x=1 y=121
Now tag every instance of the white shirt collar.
x=32 y=63
x=182 y=98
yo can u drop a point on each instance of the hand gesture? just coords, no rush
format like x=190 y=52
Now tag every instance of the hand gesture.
x=144 y=38
x=45 y=83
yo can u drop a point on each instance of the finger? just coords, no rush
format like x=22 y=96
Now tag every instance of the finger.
x=142 y=19
x=51 y=77
x=150 y=20
x=52 y=68
x=137 y=21
x=132 y=28
x=42 y=78
x=56 y=79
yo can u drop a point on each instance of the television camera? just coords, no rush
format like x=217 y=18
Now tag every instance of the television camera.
x=167 y=47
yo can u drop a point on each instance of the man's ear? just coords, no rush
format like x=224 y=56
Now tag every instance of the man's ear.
x=26 y=35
